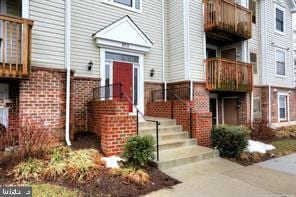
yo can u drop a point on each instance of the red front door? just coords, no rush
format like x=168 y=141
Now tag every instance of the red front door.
x=123 y=73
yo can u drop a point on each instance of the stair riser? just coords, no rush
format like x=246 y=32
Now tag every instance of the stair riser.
x=177 y=145
x=188 y=160
x=153 y=129
x=171 y=137
x=162 y=123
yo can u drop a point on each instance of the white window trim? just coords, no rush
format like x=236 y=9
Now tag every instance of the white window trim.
x=277 y=75
x=287 y=105
x=133 y=9
x=276 y=6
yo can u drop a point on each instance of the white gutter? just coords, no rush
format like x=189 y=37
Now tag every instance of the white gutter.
x=269 y=104
x=68 y=66
x=163 y=43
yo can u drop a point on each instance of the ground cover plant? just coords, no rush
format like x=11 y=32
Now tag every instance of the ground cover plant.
x=80 y=172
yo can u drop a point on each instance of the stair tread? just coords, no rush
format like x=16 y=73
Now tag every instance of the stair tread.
x=161 y=127
x=175 y=141
x=183 y=152
x=168 y=133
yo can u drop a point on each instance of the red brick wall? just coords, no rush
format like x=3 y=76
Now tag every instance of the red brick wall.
x=96 y=109
x=201 y=97
x=202 y=128
x=149 y=87
x=83 y=93
x=115 y=131
x=201 y=122
x=13 y=116
x=263 y=93
x=111 y=120
x=43 y=98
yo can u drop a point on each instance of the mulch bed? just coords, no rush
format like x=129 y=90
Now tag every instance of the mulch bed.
x=84 y=140
x=104 y=185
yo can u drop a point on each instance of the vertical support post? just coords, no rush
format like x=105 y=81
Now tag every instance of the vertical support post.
x=190 y=124
x=137 y=122
x=157 y=141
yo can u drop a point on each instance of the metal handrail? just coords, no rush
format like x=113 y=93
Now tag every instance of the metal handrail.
x=157 y=124
x=98 y=94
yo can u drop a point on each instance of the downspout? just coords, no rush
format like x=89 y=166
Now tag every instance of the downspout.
x=163 y=43
x=269 y=104
x=68 y=66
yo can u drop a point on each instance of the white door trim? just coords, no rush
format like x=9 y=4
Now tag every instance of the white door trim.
x=287 y=104
x=140 y=77
x=215 y=96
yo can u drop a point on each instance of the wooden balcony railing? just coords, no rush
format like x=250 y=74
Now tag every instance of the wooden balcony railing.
x=225 y=16
x=228 y=75
x=15 y=46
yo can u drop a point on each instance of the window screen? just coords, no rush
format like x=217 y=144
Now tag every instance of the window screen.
x=280 y=63
x=279 y=20
x=253 y=60
x=125 y=2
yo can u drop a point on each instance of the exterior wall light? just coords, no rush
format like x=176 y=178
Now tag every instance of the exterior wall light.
x=152 y=72
x=90 y=65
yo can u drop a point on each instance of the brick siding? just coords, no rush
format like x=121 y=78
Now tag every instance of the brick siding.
x=148 y=88
x=42 y=98
x=83 y=93
x=111 y=120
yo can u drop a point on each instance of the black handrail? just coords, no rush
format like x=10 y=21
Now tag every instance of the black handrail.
x=108 y=91
x=157 y=124
x=159 y=95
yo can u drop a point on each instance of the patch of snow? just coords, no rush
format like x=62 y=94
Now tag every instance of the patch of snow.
x=112 y=162
x=256 y=146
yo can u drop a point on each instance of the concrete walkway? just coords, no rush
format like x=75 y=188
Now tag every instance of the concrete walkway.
x=220 y=177
x=284 y=164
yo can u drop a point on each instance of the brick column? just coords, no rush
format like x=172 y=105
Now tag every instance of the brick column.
x=115 y=130
x=202 y=128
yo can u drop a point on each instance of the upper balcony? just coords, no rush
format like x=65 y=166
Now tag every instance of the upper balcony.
x=15 y=46
x=228 y=75
x=226 y=22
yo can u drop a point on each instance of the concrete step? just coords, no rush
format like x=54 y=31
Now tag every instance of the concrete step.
x=185 y=155
x=171 y=144
x=163 y=122
x=151 y=130
x=169 y=135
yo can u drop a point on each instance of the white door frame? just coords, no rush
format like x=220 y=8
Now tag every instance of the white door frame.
x=140 y=66
x=215 y=96
x=287 y=105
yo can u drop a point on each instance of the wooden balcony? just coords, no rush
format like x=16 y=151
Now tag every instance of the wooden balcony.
x=15 y=47
x=228 y=75
x=226 y=22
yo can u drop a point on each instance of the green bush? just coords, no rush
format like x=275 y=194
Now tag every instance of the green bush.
x=139 y=151
x=230 y=140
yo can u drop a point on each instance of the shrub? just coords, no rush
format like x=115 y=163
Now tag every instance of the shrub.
x=33 y=138
x=139 y=151
x=262 y=131
x=30 y=168
x=139 y=177
x=80 y=165
x=230 y=140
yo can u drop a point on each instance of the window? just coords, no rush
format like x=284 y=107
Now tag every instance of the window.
x=122 y=57
x=133 y=4
x=279 y=19
x=252 y=7
x=280 y=58
x=282 y=106
x=257 y=109
x=253 y=60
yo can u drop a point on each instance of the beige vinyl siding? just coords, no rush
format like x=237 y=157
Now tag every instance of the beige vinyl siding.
x=275 y=40
x=89 y=16
x=196 y=40
x=48 y=36
x=176 y=41
x=255 y=45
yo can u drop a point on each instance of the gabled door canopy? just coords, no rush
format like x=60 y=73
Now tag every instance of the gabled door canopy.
x=123 y=34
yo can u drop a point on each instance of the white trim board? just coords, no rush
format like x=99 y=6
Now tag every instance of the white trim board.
x=287 y=104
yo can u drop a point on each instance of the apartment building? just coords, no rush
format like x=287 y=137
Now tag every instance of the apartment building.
x=230 y=60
